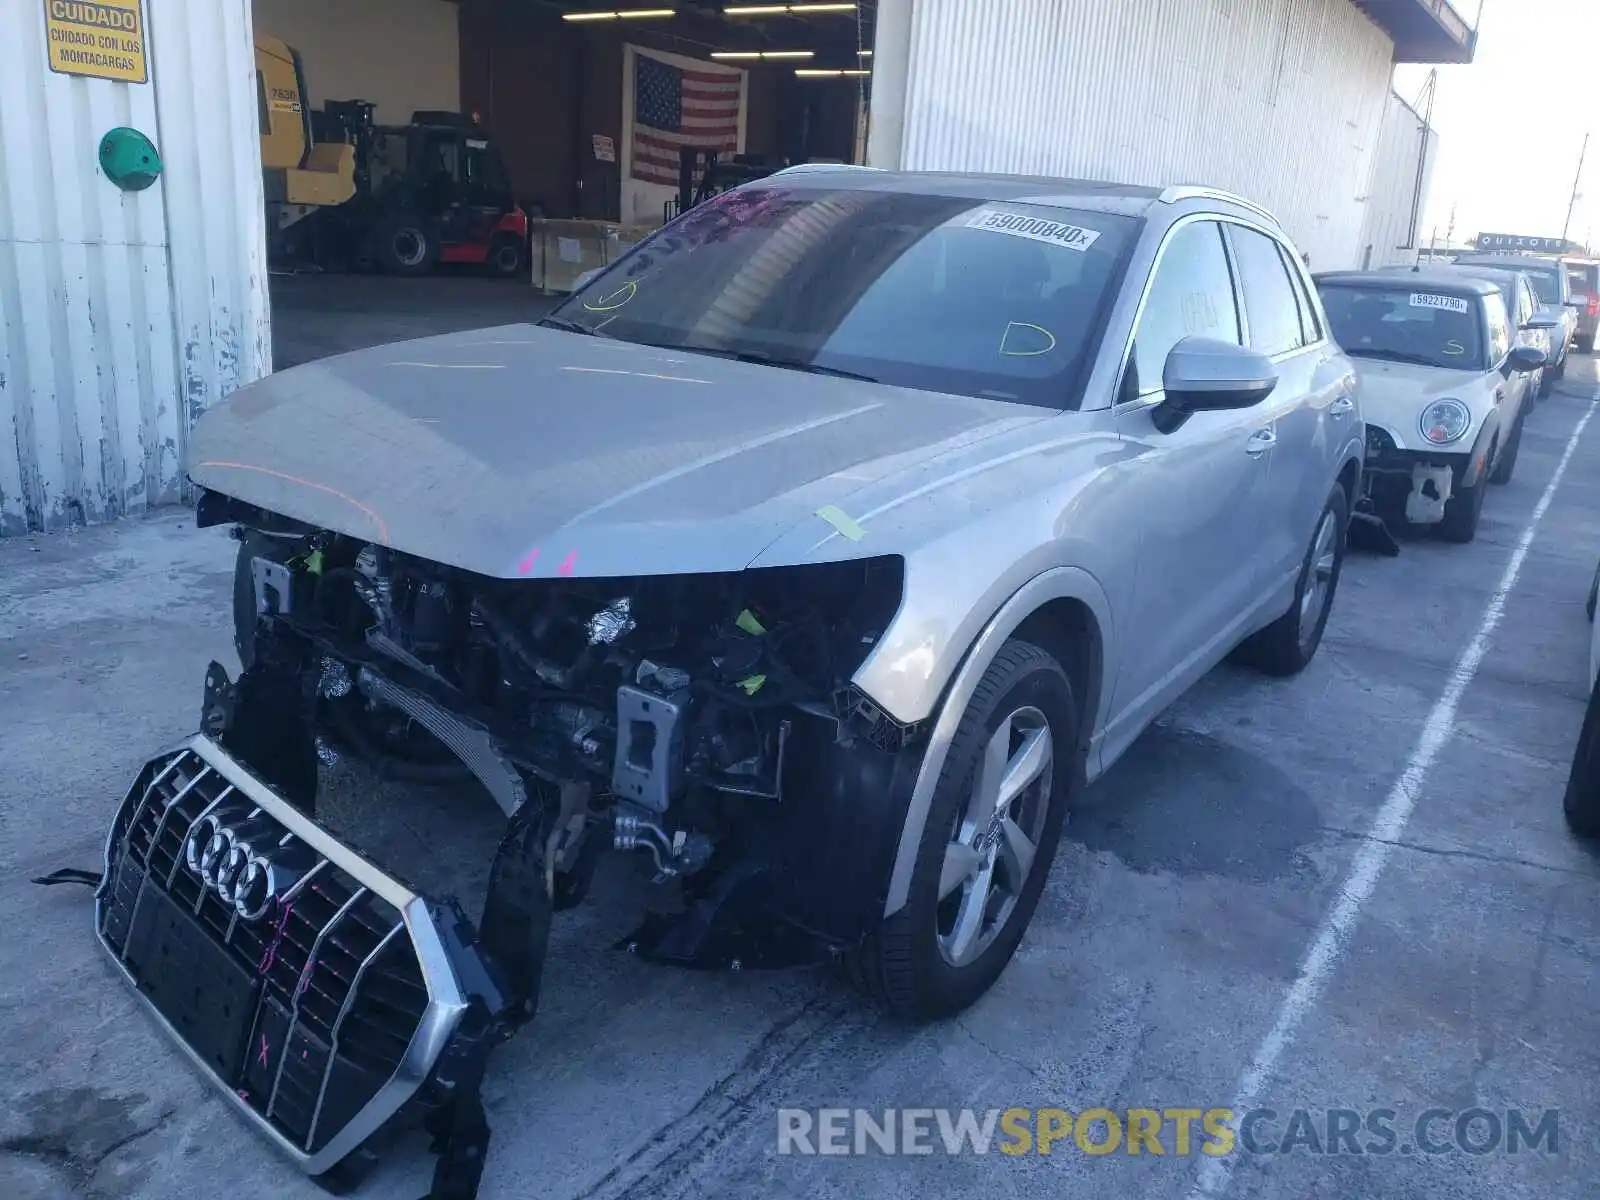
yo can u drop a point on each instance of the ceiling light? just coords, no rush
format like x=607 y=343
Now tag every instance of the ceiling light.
x=830 y=73
x=751 y=55
x=784 y=10
x=619 y=14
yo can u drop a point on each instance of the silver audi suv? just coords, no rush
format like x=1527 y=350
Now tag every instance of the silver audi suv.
x=819 y=551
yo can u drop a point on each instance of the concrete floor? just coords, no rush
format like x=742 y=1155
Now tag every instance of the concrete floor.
x=1178 y=915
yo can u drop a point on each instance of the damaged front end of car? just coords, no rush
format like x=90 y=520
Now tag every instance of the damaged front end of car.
x=707 y=721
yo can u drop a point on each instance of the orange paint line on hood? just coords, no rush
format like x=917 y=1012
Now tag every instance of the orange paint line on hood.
x=371 y=514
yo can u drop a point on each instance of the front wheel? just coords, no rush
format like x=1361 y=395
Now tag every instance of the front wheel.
x=1581 y=804
x=1287 y=646
x=991 y=833
x=1506 y=462
x=1460 y=524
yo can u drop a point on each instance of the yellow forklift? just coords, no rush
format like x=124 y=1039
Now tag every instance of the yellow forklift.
x=300 y=176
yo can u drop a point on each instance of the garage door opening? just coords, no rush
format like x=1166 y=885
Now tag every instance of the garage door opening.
x=433 y=165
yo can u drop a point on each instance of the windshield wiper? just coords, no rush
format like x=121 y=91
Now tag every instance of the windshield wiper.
x=568 y=325
x=766 y=360
x=1398 y=356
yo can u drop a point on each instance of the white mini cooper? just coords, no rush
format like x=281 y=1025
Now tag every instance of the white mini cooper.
x=1444 y=388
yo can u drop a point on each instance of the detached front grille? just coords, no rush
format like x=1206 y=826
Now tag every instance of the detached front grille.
x=281 y=960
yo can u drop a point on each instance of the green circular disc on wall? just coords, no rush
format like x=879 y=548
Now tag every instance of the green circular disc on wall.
x=129 y=159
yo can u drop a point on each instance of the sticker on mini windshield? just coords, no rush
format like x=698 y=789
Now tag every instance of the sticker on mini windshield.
x=1054 y=233
x=1448 y=303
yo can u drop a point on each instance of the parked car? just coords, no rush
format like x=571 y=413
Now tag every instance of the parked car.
x=822 y=548
x=1442 y=388
x=1583 y=281
x=1550 y=284
x=1522 y=304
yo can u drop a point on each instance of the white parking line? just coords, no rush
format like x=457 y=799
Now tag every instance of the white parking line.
x=1214 y=1174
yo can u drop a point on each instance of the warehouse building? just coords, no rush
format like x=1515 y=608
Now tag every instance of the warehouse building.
x=133 y=276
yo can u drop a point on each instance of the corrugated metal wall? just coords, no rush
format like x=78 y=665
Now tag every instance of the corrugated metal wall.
x=1280 y=100
x=123 y=315
x=1393 y=207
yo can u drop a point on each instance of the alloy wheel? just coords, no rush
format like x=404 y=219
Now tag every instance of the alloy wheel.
x=1324 y=558
x=995 y=837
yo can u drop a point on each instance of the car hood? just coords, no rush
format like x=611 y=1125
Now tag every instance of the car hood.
x=1393 y=395
x=523 y=451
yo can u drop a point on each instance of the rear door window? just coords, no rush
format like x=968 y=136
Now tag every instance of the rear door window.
x=1584 y=278
x=1271 y=305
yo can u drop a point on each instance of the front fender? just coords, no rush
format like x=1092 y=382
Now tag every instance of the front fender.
x=1058 y=583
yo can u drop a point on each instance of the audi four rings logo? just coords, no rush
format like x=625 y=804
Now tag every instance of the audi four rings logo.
x=242 y=878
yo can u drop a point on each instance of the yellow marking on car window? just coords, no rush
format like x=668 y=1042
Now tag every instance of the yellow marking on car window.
x=1005 y=339
x=615 y=300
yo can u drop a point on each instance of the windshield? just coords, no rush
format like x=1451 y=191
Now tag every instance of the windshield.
x=939 y=293
x=1422 y=327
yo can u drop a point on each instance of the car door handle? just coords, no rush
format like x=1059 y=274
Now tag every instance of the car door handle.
x=1260 y=442
x=1343 y=406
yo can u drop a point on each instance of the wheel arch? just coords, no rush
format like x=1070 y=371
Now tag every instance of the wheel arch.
x=1064 y=610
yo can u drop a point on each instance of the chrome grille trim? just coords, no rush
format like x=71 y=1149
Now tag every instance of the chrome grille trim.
x=445 y=1001
x=338 y=1022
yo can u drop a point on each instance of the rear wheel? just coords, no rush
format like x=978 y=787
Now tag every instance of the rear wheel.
x=1289 y=644
x=507 y=256
x=1594 y=593
x=1586 y=345
x=991 y=833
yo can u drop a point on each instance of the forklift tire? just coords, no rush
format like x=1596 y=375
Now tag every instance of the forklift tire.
x=508 y=256
x=405 y=244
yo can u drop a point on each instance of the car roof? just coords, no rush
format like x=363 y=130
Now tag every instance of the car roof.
x=1093 y=195
x=1514 y=261
x=1442 y=279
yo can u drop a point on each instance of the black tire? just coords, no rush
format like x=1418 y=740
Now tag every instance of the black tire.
x=508 y=256
x=1461 y=513
x=405 y=244
x=1506 y=461
x=1585 y=345
x=1581 y=804
x=1561 y=367
x=1287 y=646
x=1594 y=593
x=902 y=965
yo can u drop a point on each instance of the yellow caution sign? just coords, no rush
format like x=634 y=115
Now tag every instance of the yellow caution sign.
x=103 y=39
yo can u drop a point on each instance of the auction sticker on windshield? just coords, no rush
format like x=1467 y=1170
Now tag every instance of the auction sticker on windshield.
x=1448 y=303
x=1040 y=229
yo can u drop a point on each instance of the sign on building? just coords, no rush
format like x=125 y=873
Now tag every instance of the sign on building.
x=103 y=39
x=1524 y=243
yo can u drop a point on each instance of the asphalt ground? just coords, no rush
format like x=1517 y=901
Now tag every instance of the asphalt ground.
x=1330 y=894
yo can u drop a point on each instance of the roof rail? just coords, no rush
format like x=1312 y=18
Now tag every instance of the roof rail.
x=1173 y=195
x=824 y=166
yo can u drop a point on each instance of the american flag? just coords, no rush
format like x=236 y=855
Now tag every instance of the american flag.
x=675 y=107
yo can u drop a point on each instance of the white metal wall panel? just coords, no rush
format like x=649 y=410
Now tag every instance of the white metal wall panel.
x=1390 y=235
x=1280 y=100
x=112 y=337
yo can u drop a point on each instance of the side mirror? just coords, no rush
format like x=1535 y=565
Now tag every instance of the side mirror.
x=1543 y=320
x=1204 y=374
x=1571 y=304
x=1527 y=358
